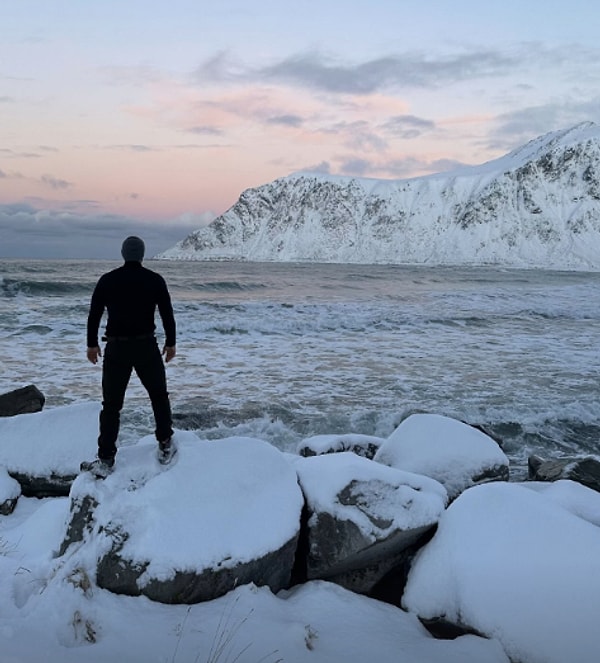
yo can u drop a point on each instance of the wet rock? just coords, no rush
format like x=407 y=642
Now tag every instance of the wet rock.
x=80 y=522
x=362 y=445
x=10 y=490
x=584 y=470
x=21 y=401
x=55 y=484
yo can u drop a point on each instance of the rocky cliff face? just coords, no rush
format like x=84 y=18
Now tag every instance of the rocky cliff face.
x=538 y=206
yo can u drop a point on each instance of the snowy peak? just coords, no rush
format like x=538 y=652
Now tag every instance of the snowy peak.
x=556 y=140
x=538 y=206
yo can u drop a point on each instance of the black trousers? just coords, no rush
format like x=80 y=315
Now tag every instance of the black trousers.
x=121 y=357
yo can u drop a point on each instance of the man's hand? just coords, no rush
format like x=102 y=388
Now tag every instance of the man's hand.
x=93 y=354
x=169 y=352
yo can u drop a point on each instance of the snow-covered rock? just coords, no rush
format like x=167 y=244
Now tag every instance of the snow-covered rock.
x=222 y=513
x=571 y=495
x=10 y=490
x=362 y=445
x=43 y=450
x=363 y=517
x=450 y=451
x=512 y=564
x=518 y=562
x=538 y=206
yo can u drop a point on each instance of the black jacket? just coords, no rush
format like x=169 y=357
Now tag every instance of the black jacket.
x=131 y=295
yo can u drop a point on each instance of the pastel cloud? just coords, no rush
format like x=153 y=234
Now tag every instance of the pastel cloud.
x=318 y=71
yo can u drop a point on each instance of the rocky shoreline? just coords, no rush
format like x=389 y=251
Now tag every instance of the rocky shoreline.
x=353 y=510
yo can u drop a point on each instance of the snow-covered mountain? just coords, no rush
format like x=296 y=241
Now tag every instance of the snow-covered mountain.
x=538 y=206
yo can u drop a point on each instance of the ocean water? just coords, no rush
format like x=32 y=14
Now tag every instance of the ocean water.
x=286 y=351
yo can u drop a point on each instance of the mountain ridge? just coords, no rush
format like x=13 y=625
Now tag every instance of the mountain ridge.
x=537 y=206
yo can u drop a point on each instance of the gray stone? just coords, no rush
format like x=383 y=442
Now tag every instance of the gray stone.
x=10 y=491
x=21 y=401
x=584 y=470
x=55 y=485
x=8 y=506
x=82 y=516
x=121 y=576
x=340 y=553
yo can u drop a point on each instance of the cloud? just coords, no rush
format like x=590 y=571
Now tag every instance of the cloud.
x=357 y=135
x=54 y=182
x=407 y=126
x=394 y=168
x=205 y=130
x=356 y=166
x=12 y=175
x=32 y=231
x=219 y=67
x=320 y=72
x=512 y=129
x=324 y=167
x=429 y=70
x=293 y=121
x=133 y=148
x=21 y=155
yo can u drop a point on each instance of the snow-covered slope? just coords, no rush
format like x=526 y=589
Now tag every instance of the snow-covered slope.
x=538 y=206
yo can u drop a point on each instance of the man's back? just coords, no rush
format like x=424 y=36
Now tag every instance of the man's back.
x=131 y=294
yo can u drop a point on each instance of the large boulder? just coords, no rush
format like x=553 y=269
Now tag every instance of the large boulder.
x=43 y=450
x=516 y=564
x=455 y=454
x=583 y=470
x=21 y=401
x=10 y=490
x=363 y=517
x=223 y=513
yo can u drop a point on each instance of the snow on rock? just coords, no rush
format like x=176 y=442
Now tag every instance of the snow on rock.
x=362 y=445
x=10 y=490
x=538 y=206
x=576 y=498
x=514 y=565
x=222 y=513
x=43 y=450
x=450 y=451
x=385 y=633
x=363 y=516
x=516 y=562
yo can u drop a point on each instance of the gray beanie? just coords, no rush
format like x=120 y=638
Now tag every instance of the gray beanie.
x=133 y=249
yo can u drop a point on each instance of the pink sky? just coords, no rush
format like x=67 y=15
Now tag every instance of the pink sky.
x=163 y=114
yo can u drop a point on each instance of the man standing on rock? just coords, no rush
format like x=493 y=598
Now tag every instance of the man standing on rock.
x=131 y=294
